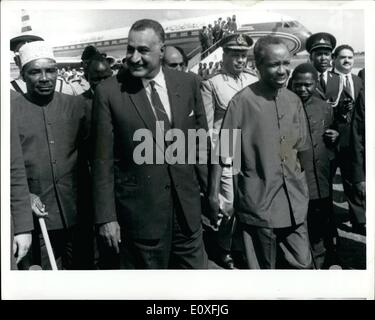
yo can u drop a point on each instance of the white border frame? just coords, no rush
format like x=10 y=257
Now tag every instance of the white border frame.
x=171 y=284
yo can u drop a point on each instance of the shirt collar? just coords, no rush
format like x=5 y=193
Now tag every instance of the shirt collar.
x=268 y=92
x=159 y=80
x=342 y=74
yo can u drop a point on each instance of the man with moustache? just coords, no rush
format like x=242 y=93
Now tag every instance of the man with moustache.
x=217 y=91
x=352 y=85
x=148 y=213
x=52 y=130
x=271 y=190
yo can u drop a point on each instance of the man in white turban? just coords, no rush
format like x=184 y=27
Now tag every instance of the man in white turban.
x=53 y=136
x=18 y=84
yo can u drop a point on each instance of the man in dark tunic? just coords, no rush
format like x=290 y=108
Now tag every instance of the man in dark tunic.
x=21 y=219
x=52 y=131
x=316 y=162
x=271 y=195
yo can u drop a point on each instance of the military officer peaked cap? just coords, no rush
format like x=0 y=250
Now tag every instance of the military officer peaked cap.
x=320 y=40
x=237 y=41
x=17 y=42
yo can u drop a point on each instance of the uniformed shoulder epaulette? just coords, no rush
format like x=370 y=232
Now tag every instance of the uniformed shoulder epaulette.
x=213 y=74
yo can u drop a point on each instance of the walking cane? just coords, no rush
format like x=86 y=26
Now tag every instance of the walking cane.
x=51 y=256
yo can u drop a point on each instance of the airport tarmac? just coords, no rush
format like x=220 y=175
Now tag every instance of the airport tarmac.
x=351 y=246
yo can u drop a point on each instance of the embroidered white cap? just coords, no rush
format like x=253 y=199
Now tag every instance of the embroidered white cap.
x=35 y=50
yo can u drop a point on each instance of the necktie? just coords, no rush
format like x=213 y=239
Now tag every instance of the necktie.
x=161 y=114
x=348 y=86
x=322 y=82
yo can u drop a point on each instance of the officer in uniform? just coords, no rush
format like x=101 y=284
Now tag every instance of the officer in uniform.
x=217 y=90
x=320 y=46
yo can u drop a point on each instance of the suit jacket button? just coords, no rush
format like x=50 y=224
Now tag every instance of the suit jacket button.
x=167 y=187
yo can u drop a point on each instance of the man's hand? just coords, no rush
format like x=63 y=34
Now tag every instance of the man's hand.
x=37 y=206
x=360 y=189
x=110 y=233
x=347 y=105
x=331 y=135
x=21 y=245
x=214 y=209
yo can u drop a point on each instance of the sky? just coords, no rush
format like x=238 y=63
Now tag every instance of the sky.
x=67 y=23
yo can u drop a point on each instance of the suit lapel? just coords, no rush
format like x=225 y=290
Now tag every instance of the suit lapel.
x=319 y=92
x=358 y=84
x=173 y=88
x=138 y=96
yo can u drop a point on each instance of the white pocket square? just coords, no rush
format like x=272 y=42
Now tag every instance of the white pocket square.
x=191 y=113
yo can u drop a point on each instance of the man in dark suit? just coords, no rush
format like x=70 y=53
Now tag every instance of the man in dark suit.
x=361 y=75
x=352 y=85
x=358 y=148
x=148 y=211
x=343 y=61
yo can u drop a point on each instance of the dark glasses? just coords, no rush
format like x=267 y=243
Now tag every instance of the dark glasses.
x=175 y=65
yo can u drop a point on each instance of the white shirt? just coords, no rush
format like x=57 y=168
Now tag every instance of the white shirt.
x=162 y=91
x=343 y=77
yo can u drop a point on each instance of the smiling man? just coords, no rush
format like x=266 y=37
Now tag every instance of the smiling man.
x=217 y=91
x=271 y=191
x=148 y=213
x=52 y=132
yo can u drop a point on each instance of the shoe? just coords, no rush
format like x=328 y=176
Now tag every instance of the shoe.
x=226 y=261
x=335 y=267
x=239 y=259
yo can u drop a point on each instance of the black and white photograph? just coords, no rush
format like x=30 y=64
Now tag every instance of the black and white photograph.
x=187 y=150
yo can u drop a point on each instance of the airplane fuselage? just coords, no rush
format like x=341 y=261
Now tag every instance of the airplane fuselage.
x=292 y=32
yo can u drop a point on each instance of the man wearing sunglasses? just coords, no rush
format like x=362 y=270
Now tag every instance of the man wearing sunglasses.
x=173 y=59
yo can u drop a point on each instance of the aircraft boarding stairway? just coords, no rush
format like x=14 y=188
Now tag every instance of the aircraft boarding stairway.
x=213 y=53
